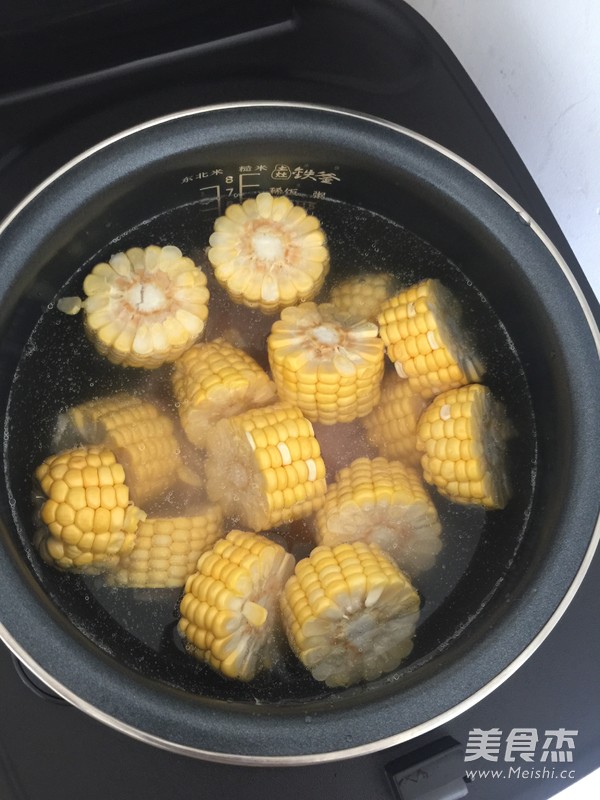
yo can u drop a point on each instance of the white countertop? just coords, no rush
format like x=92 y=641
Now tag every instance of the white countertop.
x=537 y=64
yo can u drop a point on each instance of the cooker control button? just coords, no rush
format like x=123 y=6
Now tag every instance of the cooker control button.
x=434 y=772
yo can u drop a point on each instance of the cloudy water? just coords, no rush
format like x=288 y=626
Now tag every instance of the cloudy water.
x=60 y=368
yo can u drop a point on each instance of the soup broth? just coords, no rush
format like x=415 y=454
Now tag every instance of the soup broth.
x=60 y=368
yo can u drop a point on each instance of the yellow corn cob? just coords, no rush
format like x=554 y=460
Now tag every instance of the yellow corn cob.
x=264 y=467
x=462 y=435
x=215 y=380
x=421 y=327
x=230 y=608
x=362 y=295
x=268 y=253
x=385 y=503
x=392 y=425
x=144 y=307
x=349 y=613
x=86 y=418
x=142 y=438
x=326 y=363
x=90 y=521
x=167 y=549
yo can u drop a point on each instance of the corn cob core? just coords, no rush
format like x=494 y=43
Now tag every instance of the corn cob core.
x=392 y=425
x=142 y=438
x=362 y=295
x=349 y=613
x=268 y=253
x=145 y=306
x=421 y=327
x=382 y=502
x=167 y=549
x=230 y=607
x=264 y=467
x=215 y=380
x=89 y=519
x=462 y=435
x=326 y=363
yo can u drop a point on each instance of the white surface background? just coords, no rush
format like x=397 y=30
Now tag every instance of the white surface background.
x=537 y=64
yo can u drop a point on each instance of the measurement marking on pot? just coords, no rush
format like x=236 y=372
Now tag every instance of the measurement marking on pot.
x=237 y=183
x=213 y=206
x=244 y=185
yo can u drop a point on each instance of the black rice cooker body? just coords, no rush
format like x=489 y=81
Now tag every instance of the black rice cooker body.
x=527 y=565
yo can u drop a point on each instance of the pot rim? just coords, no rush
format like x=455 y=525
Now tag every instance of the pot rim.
x=462 y=706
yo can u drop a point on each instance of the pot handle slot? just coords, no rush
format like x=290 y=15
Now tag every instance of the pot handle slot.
x=434 y=772
x=35 y=684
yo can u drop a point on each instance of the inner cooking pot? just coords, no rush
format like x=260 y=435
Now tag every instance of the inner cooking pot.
x=387 y=198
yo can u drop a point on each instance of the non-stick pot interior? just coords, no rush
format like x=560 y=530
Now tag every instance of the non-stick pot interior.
x=387 y=203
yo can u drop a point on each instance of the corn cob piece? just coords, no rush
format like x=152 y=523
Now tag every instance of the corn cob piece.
x=264 y=467
x=90 y=421
x=392 y=425
x=167 y=549
x=421 y=327
x=362 y=296
x=142 y=438
x=214 y=380
x=144 y=307
x=326 y=363
x=349 y=613
x=90 y=521
x=462 y=435
x=385 y=503
x=230 y=608
x=268 y=253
